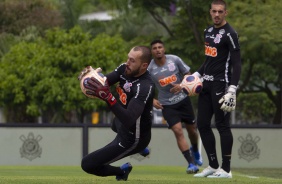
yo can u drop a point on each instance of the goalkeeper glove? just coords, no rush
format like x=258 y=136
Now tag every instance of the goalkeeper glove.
x=101 y=91
x=197 y=74
x=229 y=99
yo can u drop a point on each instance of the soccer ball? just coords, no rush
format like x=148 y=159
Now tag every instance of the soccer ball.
x=86 y=76
x=191 y=85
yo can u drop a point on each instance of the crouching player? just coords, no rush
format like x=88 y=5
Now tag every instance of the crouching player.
x=132 y=112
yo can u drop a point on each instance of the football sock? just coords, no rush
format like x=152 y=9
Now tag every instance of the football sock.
x=226 y=163
x=188 y=156
x=213 y=162
x=195 y=147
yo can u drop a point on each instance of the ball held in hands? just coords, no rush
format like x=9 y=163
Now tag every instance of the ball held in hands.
x=191 y=85
x=85 y=78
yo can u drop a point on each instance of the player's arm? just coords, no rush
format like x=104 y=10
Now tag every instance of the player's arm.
x=135 y=107
x=128 y=116
x=157 y=104
x=199 y=73
x=229 y=99
x=183 y=68
x=235 y=57
x=113 y=77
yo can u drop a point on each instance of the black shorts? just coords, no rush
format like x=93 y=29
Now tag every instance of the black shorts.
x=180 y=112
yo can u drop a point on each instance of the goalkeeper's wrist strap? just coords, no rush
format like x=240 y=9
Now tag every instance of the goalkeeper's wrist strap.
x=197 y=74
x=232 y=89
x=111 y=100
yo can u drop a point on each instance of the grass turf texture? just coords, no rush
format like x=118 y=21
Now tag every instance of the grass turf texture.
x=139 y=174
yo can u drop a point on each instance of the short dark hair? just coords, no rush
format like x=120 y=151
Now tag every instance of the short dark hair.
x=156 y=41
x=220 y=2
x=146 y=56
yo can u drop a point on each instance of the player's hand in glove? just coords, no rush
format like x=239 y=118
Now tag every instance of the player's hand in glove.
x=229 y=99
x=100 y=90
x=95 y=72
x=197 y=74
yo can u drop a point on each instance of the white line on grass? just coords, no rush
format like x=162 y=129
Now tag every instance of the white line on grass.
x=247 y=176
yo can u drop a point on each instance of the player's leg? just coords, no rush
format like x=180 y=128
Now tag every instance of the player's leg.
x=173 y=119
x=188 y=117
x=145 y=152
x=223 y=126
x=97 y=162
x=194 y=137
x=184 y=148
x=180 y=138
x=205 y=112
x=116 y=124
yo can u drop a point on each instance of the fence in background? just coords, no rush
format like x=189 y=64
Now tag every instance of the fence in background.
x=66 y=144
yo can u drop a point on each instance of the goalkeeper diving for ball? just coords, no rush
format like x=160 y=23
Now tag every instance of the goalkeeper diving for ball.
x=132 y=110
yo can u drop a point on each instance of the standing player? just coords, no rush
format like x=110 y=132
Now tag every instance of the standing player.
x=221 y=72
x=133 y=112
x=167 y=72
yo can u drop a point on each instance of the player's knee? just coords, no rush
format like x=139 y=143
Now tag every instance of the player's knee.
x=203 y=129
x=225 y=132
x=84 y=165
x=178 y=132
x=87 y=167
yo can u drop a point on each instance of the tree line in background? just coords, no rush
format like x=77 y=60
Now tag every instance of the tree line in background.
x=44 y=46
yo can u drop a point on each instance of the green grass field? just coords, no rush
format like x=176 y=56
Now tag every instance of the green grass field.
x=139 y=174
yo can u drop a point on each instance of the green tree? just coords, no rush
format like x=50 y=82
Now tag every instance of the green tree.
x=16 y=15
x=41 y=76
x=25 y=20
x=258 y=24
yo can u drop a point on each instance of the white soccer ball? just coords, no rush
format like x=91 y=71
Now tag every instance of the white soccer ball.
x=191 y=85
x=87 y=76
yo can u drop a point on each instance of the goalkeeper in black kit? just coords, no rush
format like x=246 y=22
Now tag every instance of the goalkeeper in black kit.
x=220 y=73
x=132 y=110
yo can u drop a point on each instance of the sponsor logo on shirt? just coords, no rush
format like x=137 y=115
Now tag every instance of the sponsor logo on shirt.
x=208 y=77
x=210 y=36
x=222 y=31
x=177 y=98
x=167 y=80
x=163 y=69
x=210 y=51
x=122 y=95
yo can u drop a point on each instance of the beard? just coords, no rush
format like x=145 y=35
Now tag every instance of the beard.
x=131 y=73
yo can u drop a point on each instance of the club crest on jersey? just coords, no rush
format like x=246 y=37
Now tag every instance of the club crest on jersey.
x=127 y=86
x=171 y=67
x=217 y=38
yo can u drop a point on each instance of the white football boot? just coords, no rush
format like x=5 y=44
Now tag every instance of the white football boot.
x=206 y=172
x=220 y=173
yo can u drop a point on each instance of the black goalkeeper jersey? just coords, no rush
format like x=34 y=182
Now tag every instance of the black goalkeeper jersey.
x=135 y=101
x=223 y=62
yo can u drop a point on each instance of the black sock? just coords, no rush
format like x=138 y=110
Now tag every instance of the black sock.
x=213 y=161
x=188 y=156
x=226 y=163
x=195 y=147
